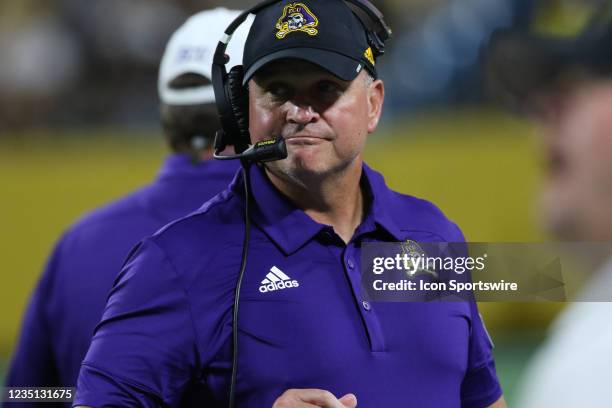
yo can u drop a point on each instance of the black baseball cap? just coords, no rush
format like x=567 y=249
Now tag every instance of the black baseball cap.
x=324 y=32
x=519 y=62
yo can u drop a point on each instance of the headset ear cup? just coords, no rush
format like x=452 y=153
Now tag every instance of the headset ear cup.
x=239 y=101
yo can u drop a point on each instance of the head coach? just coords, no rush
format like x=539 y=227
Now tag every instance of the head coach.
x=304 y=335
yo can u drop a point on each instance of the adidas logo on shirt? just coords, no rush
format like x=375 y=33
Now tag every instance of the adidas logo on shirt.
x=277 y=280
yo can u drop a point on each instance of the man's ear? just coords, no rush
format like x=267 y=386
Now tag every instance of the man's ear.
x=376 y=98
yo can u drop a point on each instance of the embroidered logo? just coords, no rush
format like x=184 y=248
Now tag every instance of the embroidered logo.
x=277 y=280
x=417 y=257
x=297 y=17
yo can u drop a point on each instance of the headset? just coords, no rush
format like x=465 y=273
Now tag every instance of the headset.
x=231 y=98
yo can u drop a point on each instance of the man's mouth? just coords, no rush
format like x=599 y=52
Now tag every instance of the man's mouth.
x=304 y=140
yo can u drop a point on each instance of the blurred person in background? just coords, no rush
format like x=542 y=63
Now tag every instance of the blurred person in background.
x=40 y=60
x=565 y=83
x=56 y=331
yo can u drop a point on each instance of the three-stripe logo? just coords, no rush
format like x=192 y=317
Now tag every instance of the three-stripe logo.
x=277 y=280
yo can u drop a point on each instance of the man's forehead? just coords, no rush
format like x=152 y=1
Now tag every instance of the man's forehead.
x=292 y=67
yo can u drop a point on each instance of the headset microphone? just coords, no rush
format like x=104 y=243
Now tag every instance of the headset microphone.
x=264 y=151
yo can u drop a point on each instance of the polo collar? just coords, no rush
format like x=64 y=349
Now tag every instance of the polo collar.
x=285 y=224
x=383 y=201
x=290 y=228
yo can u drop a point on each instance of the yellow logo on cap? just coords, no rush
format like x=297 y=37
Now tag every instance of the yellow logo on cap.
x=369 y=55
x=297 y=17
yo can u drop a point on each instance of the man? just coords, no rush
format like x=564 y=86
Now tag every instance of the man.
x=71 y=294
x=313 y=341
x=566 y=84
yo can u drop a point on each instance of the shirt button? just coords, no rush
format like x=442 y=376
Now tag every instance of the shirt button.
x=366 y=305
x=350 y=263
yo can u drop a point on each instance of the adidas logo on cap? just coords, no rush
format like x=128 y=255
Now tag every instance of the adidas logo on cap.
x=277 y=280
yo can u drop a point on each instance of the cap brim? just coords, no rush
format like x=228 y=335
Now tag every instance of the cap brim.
x=519 y=63
x=339 y=65
x=200 y=95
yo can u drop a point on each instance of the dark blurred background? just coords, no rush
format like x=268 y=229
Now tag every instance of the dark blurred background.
x=79 y=127
x=76 y=63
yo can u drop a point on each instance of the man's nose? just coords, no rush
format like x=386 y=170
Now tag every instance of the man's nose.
x=301 y=113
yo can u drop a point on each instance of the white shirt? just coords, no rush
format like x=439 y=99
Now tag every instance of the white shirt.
x=573 y=369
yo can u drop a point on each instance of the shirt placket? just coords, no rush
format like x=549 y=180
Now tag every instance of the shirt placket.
x=351 y=261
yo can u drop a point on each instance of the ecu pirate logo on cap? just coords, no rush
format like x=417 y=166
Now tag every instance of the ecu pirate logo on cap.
x=297 y=17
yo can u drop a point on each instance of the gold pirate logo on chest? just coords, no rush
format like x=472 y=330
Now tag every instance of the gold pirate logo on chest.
x=297 y=17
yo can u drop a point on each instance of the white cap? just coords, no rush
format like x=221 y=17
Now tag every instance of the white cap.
x=191 y=49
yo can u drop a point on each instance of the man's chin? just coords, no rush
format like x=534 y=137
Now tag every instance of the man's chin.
x=306 y=153
x=305 y=168
x=305 y=160
x=301 y=169
x=298 y=169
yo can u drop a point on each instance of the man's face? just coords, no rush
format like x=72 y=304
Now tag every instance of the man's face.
x=577 y=194
x=323 y=119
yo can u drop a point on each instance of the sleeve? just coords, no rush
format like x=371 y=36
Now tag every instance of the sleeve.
x=143 y=352
x=480 y=387
x=32 y=363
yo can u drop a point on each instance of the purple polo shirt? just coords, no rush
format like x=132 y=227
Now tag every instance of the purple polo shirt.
x=165 y=337
x=70 y=297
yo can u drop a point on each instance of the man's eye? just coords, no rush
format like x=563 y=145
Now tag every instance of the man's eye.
x=278 y=91
x=328 y=87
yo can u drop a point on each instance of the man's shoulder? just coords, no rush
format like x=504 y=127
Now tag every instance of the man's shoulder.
x=113 y=214
x=208 y=240
x=413 y=214
x=94 y=246
x=219 y=220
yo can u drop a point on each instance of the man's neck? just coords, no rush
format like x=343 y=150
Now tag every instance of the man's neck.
x=335 y=200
